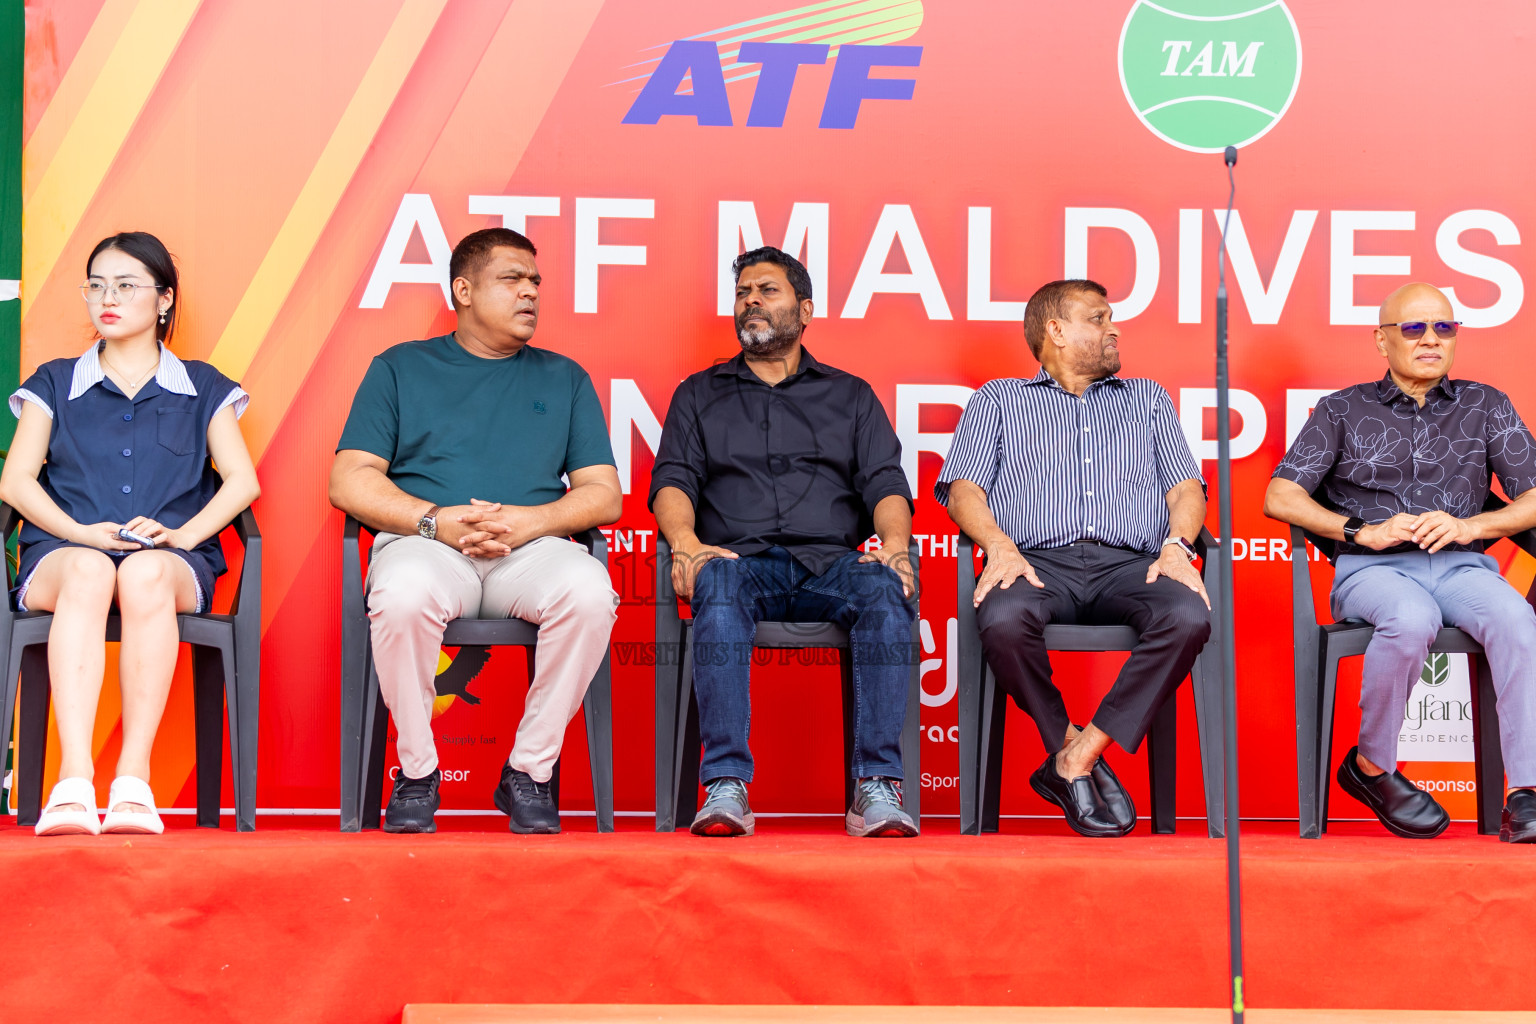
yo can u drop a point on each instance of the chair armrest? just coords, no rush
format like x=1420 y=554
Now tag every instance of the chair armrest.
x=247 y=600
x=351 y=569
x=1209 y=550
x=1525 y=540
x=666 y=596
x=965 y=569
x=245 y=526
x=9 y=520
x=1303 y=611
x=593 y=540
x=917 y=576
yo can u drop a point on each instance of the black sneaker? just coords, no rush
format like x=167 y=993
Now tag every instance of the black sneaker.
x=412 y=804
x=529 y=806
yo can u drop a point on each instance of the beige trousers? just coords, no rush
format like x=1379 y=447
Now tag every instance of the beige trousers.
x=415 y=586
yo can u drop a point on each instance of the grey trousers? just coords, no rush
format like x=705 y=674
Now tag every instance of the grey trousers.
x=1408 y=596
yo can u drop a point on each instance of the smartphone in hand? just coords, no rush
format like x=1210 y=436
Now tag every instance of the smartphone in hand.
x=126 y=534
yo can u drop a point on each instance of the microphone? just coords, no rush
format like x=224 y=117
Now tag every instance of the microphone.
x=1225 y=630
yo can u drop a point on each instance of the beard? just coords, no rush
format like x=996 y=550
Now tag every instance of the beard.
x=774 y=338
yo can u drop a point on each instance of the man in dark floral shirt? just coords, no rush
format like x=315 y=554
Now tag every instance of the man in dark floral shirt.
x=1397 y=470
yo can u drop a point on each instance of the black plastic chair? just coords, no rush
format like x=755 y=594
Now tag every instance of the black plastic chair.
x=226 y=672
x=677 y=709
x=1319 y=648
x=983 y=709
x=364 y=718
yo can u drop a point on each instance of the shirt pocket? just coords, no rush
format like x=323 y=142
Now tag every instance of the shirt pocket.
x=176 y=430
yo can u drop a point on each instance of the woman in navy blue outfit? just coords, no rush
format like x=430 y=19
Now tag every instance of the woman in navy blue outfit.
x=109 y=470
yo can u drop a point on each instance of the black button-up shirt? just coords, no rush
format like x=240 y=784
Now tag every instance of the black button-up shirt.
x=801 y=464
x=1372 y=451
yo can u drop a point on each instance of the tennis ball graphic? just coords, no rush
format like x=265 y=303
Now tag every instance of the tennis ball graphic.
x=1207 y=74
x=455 y=674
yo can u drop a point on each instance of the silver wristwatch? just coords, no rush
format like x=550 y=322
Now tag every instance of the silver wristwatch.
x=427 y=525
x=1184 y=546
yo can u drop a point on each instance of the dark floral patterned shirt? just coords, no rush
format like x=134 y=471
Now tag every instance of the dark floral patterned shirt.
x=1371 y=451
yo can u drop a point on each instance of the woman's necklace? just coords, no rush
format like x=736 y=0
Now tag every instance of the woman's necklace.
x=142 y=377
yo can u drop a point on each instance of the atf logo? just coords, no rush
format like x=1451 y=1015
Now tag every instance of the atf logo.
x=689 y=78
x=1207 y=74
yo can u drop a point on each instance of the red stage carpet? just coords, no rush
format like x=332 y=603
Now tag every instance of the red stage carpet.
x=298 y=923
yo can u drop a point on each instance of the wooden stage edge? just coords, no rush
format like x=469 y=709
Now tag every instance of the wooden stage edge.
x=639 y=1013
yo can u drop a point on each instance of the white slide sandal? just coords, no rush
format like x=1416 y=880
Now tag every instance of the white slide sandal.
x=128 y=790
x=55 y=822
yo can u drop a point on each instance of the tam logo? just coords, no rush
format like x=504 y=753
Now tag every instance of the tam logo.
x=708 y=104
x=1241 y=65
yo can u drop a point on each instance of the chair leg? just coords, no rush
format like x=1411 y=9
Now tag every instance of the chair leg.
x=11 y=658
x=354 y=734
x=1488 y=750
x=912 y=733
x=667 y=736
x=688 y=773
x=684 y=774
x=1163 y=766
x=32 y=735
x=208 y=716
x=375 y=735
x=1326 y=706
x=968 y=702
x=845 y=671
x=994 y=712
x=242 y=687
x=598 y=708
x=1309 y=740
x=1208 y=723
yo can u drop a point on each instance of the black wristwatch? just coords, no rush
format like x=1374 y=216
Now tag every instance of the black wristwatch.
x=1352 y=526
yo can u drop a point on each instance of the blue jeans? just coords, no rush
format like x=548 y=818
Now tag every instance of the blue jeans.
x=1408 y=596
x=731 y=596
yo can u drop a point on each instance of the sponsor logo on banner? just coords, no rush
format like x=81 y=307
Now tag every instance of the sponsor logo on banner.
x=689 y=77
x=1437 y=725
x=1207 y=74
x=1435 y=744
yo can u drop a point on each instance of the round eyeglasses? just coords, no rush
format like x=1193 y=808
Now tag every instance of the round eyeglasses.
x=95 y=292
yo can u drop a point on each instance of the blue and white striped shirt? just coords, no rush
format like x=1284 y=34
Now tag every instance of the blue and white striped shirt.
x=1057 y=468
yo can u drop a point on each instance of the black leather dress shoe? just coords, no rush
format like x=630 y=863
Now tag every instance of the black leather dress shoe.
x=1405 y=809
x=1116 y=800
x=412 y=804
x=1078 y=798
x=530 y=805
x=1519 y=825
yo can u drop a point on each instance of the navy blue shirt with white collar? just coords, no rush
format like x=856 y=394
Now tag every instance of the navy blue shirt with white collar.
x=112 y=458
x=1058 y=468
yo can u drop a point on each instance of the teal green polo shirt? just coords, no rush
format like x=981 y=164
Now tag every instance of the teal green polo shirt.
x=454 y=426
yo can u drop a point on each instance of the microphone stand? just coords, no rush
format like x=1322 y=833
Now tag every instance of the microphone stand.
x=1225 y=631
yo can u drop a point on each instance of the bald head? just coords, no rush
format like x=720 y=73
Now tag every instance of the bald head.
x=1416 y=301
x=1416 y=363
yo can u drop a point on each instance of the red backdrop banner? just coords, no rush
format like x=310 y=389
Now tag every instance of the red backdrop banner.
x=932 y=162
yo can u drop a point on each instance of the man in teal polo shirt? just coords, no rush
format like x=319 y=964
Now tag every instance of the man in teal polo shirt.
x=454 y=454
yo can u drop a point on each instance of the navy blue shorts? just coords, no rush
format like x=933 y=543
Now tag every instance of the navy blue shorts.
x=202 y=572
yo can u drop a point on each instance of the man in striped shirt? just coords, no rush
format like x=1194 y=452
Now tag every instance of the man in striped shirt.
x=1081 y=489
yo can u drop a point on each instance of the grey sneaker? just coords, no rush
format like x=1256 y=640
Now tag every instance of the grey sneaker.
x=725 y=811
x=876 y=810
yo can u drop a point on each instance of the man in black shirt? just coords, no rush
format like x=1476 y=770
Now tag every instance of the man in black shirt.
x=773 y=469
